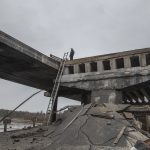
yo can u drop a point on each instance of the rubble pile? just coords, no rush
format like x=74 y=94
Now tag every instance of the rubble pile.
x=88 y=127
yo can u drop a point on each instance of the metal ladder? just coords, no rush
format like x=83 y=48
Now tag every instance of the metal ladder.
x=55 y=90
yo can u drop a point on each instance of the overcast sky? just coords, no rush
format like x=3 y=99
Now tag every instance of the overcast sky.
x=91 y=27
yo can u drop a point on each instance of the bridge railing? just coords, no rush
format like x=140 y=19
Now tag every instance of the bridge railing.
x=103 y=65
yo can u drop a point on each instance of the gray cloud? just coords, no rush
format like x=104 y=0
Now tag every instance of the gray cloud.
x=90 y=27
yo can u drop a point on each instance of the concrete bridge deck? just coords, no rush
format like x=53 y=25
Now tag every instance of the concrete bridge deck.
x=25 y=65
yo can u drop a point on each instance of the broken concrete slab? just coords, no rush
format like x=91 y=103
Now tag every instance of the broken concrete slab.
x=78 y=129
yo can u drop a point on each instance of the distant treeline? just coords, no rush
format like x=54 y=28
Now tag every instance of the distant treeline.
x=23 y=115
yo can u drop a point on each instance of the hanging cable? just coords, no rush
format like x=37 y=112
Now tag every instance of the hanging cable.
x=20 y=105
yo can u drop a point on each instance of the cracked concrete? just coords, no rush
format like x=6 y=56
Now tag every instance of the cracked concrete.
x=86 y=131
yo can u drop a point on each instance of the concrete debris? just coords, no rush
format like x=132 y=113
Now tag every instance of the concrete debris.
x=89 y=127
x=128 y=115
x=119 y=135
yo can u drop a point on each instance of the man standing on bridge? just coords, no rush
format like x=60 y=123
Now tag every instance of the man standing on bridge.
x=72 y=52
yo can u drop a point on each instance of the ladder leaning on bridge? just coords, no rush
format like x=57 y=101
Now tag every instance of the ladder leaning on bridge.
x=53 y=97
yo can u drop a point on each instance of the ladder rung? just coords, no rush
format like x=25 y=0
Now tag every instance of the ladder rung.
x=56 y=86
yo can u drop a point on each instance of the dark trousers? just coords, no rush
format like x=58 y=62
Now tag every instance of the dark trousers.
x=71 y=57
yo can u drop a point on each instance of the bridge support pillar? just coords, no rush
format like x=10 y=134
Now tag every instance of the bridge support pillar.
x=53 y=117
x=85 y=98
x=107 y=96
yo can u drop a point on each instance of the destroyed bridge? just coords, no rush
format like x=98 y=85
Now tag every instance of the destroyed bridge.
x=115 y=78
